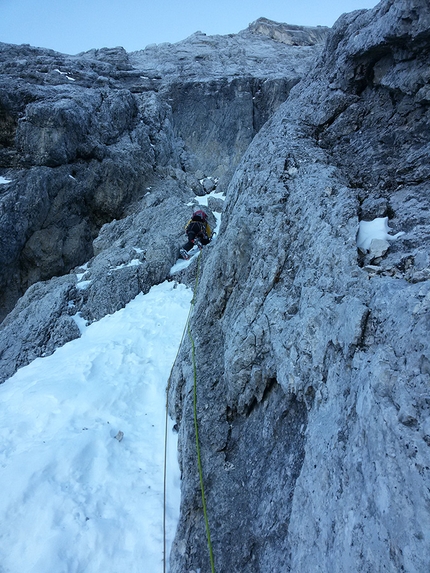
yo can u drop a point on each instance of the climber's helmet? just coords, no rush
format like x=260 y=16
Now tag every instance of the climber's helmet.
x=199 y=214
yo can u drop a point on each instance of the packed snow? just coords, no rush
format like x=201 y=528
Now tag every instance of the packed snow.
x=82 y=433
x=4 y=181
x=65 y=74
x=377 y=229
x=204 y=199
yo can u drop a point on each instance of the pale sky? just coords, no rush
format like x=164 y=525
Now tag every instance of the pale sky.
x=73 y=26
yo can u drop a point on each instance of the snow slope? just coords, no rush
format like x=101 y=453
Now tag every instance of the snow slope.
x=73 y=497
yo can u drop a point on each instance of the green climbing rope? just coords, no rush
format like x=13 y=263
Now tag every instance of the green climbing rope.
x=196 y=427
x=165 y=439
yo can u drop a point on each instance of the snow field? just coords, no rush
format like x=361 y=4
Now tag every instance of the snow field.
x=75 y=499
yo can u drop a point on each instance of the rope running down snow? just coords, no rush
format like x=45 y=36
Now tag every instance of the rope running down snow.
x=199 y=462
x=165 y=445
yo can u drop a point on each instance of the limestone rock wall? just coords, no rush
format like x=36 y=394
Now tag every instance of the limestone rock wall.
x=101 y=155
x=313 y=358
x=82 y=137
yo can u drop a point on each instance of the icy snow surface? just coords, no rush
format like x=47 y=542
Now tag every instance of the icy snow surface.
x=376 y=229
x=74 y=498
x=216 y=195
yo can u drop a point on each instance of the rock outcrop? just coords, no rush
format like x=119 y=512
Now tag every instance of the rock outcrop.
x=120 y=143
x=291 y=35
x=313 y=358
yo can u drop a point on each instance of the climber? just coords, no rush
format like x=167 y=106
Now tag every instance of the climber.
x=198 y=231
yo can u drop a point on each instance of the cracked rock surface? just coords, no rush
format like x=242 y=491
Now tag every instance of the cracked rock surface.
x=313 y=361
x=101 y=156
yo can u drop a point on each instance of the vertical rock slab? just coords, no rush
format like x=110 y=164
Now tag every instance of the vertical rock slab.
x=290 y=325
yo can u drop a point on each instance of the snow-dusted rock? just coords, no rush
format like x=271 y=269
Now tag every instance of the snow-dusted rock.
x=378 y=248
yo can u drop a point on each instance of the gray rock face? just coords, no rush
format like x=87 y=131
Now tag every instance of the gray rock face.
x=291 y=35
x=222 y=89
x=82 y=137
x=313 y=367
x=130 y=256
